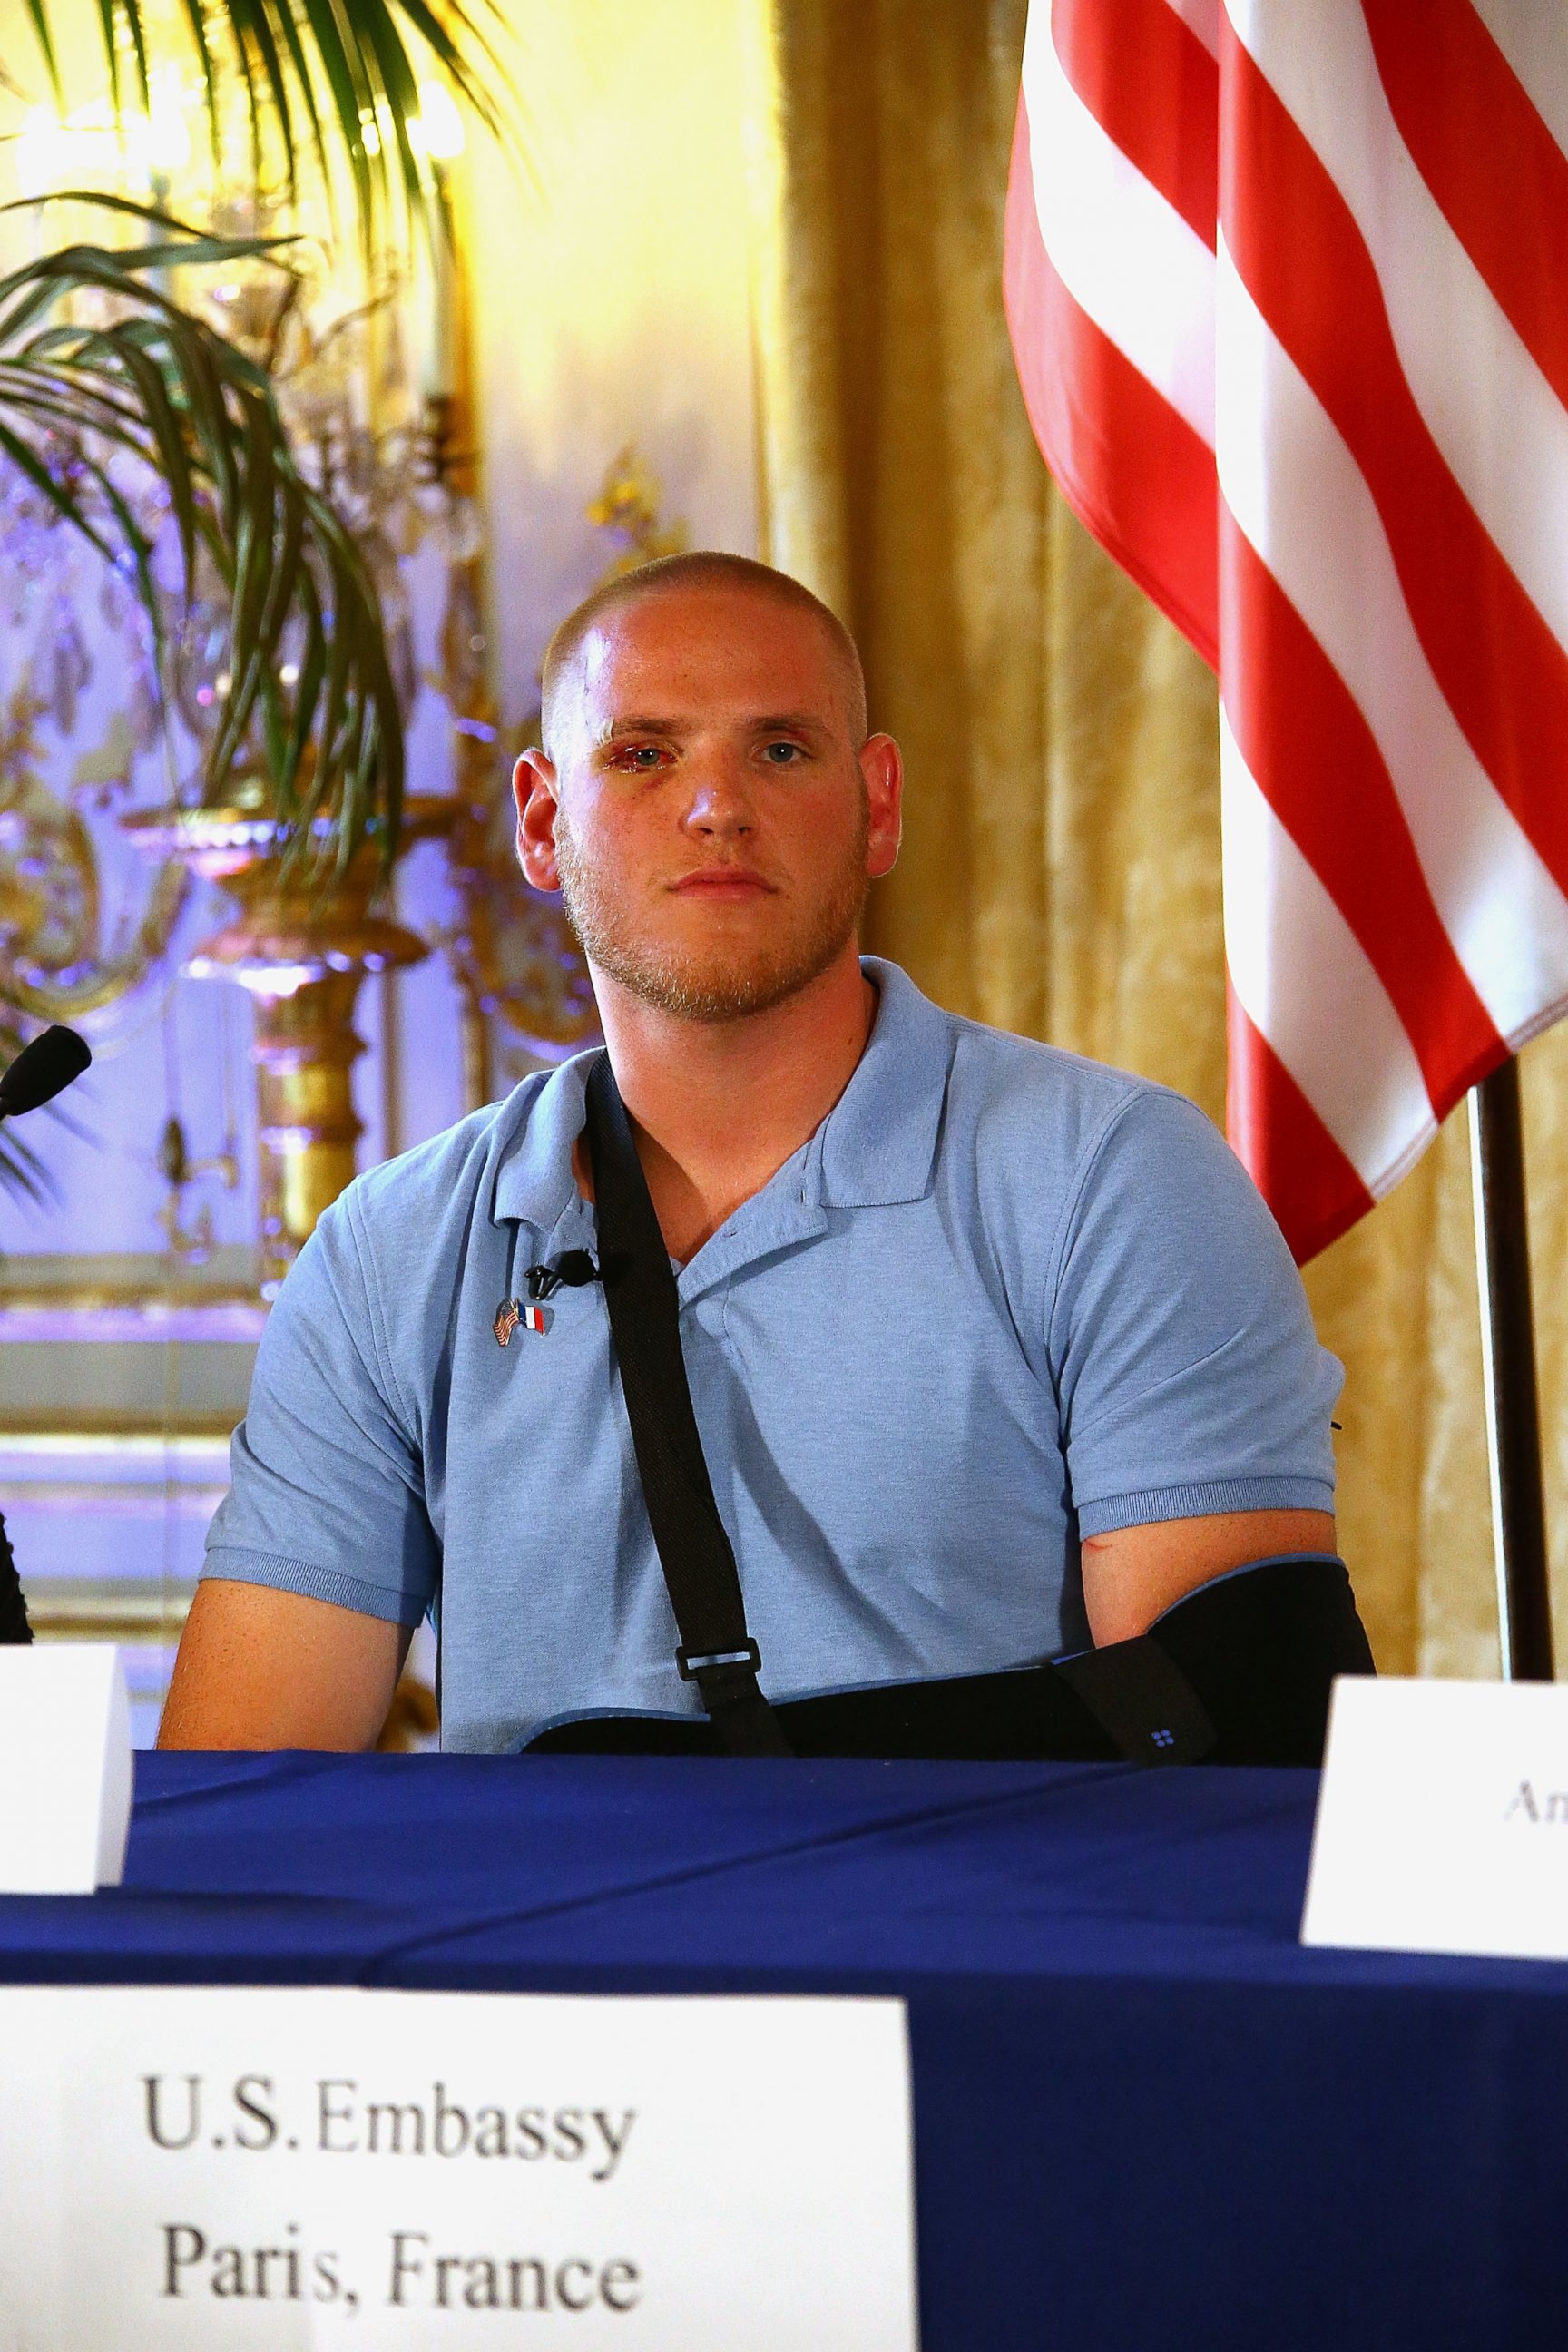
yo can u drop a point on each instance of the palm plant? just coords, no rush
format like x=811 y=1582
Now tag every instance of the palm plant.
x=150 y=383
x=336 y=78
x=142 y=385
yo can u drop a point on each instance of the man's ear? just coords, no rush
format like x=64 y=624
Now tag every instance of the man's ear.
x=881 y=764
x=533 y=789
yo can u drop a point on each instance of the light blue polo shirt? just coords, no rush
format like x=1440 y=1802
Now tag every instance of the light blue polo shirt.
x=1002 y=1298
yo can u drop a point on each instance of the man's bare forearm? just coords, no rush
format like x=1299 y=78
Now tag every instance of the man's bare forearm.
x=1132 y=1575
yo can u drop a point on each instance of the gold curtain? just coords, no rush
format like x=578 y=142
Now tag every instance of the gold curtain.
x=1061 y=873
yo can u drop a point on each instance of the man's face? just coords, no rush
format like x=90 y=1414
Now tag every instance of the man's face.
x=706 y=811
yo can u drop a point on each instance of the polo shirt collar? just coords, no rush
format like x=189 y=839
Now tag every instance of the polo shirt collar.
x=534 y=1181
x=878 y=1143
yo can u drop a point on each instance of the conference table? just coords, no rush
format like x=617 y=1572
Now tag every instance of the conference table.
x=1144 y=2115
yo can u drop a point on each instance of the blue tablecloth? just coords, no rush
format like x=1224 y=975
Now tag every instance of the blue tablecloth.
x=1144 y=2116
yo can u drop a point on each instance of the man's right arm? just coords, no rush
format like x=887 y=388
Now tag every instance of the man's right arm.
x=321 y=1559
x=260 y=1668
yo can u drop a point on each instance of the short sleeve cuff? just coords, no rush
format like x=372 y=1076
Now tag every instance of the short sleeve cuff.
x=1197 y=1501
x=312 y=1583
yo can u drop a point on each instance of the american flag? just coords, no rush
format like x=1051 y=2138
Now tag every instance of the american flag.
x=1287 y=285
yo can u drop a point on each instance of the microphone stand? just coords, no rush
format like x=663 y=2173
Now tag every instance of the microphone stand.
x=1507 y=1357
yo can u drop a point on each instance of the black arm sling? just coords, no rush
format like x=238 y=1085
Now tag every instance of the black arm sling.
x=1239 y=1672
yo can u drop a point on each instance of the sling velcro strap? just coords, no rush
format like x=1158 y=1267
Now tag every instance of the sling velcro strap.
x=1140 y=1696
x=716 y=1650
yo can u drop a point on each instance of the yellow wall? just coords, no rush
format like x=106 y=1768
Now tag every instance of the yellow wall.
x=611 y=299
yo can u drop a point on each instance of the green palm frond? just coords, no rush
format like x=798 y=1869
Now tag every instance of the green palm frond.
x=338 y=79
x=23 y=1172
x=148 y=379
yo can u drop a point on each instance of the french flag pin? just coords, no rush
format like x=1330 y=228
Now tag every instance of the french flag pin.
x=512 y=1315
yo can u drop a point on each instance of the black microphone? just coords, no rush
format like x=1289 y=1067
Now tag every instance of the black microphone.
x=573 y=1267
x=42 y=1070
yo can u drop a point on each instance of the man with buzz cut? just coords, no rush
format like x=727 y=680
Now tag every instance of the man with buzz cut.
x=994 y=1353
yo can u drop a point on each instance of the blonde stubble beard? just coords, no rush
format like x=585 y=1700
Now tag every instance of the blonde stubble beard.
x=715 y=985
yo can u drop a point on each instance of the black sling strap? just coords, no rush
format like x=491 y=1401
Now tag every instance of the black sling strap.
x=716 y=1650
x=1239 y=1672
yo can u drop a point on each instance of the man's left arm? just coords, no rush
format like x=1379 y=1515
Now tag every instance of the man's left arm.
x=1196 y=1398
x=1132 y=1575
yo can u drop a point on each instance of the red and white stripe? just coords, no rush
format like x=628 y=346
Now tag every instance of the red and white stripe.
x=1287 y=284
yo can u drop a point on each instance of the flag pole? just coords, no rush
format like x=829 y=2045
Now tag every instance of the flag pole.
x=1508 y=1358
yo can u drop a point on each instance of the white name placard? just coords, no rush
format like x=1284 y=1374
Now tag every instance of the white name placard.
x=1443 y=1819
x=248 y=2169
x=65 y=1767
